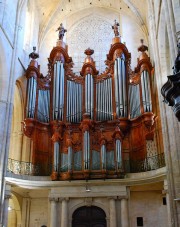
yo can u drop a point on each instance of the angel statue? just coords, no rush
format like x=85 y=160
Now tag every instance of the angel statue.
x=62 y=31
x=115 y=27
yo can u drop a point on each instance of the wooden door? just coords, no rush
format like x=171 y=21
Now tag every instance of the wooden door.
x=89 y=217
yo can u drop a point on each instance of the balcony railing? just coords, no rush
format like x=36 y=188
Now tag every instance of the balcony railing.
x=130 y=166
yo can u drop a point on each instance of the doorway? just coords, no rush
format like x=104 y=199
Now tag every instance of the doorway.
x=89 y=217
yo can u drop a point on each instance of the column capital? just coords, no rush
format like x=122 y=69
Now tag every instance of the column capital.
x=122 y=197
x=7 y=196
x=112 y=197
x=165 y=191
x=53 y=199
x=63 y=199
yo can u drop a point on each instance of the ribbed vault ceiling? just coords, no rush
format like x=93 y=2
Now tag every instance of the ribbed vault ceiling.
x=52 y=10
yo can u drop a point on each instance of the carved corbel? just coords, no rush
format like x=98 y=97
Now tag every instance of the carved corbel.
x=86 y=124
x=57 y=129
x=103 y=140
x=149 y=120
x=118 y=134
x=28 y=127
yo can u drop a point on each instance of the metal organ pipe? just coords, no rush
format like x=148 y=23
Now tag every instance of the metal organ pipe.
x=58 y=91
x=104 y=100
x=146 y=91
x=89 y=95
x=134 y=101
x=103 y=156
x=74 y=102
x=56 y=156
x=86 y=149
x=31 y=97
x=120 y=87
x=118 y=154
x=70 y=159
x=43 y=106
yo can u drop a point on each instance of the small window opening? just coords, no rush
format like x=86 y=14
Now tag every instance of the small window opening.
x=139 y=221
x=164 y=201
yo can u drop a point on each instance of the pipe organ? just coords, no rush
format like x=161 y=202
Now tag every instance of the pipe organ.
x=87 y=126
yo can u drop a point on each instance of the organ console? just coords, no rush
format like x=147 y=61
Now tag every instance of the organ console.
x=85 y=126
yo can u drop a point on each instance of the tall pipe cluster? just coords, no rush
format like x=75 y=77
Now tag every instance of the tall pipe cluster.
x=58 y=91
x=104 y=109
x=146 y=91
x=89 y=95
x=43 y=106
x=134 y=101
x=74 y=102
x=31 y=97
x=120 y=87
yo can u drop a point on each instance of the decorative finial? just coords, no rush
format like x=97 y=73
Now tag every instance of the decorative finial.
x=89 y=51
x=62 y=31
x=115 y=27
x=142 y=48
x=176 y=67
x=34 y=55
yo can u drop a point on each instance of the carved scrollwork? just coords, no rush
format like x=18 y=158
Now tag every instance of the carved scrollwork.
x=70 y=74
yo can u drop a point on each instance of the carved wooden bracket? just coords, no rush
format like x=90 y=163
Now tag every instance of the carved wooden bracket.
x=28 y=126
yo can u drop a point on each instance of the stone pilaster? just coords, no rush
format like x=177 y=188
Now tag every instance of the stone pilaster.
x=124 y=213
x=53 y=220
x=64 y=212
x=112 y=212
x=6 y=204
x=166 y=193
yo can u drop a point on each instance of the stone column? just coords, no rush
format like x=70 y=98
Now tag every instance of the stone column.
x=124 y=213
x=64 y=213
x=166 y=193
x=53 y=219
x=112 y=212
x=6 y=204
x=26 y=206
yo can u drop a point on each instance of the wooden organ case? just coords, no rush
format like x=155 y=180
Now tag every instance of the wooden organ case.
x=89 y=126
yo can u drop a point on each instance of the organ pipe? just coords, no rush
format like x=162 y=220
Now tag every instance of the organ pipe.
x=56 y=156
x=31 y=97
x=70 y=159
x=58 y=91
x=134 y=101
x=86 y=148
x=103 y=156
x=118 y=154
x=104 y=100
x=146 y=91
x=74 y=102
x=120 y=87
x=43 y=106
x=89 y=95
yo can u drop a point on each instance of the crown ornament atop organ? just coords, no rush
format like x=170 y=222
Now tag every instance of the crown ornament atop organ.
x=86 y=126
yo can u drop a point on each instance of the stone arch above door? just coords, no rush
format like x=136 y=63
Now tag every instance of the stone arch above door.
x=89 y=216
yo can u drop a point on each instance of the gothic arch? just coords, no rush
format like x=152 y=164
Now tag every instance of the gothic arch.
x=14 y=214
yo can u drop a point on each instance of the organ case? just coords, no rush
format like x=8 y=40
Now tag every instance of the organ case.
x=88 y=126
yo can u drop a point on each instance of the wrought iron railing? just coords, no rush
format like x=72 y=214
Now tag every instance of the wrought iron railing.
x=130 y=166
x=27 y=168
x=148 y=164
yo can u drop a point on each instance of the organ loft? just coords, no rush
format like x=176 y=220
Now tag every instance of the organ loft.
x=92 y=125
